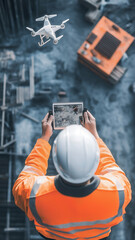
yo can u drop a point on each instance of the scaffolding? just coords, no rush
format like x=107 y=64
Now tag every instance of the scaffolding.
x=14 y=225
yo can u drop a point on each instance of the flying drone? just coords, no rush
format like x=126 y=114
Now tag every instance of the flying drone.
x=48 y=30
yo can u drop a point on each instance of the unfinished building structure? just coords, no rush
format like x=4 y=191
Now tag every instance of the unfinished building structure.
x=14 y=224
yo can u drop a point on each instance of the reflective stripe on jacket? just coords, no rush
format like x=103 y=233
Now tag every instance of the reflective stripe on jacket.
x=61 y=211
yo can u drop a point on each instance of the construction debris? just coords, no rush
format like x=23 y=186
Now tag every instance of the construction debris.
x=21 y=93
x=62 y=96
x=7 y=55
x=93 y=16
x=132 y=88
x=62 y=93
x=94 y=4
x=24 y=93
x=117 y=74
x=124 y=58
x=96 y=7
x=29 y=117
x=23 y=73
x=45 y=91
x=106 y=45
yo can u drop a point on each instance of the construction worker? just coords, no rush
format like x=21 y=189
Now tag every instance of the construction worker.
x=87 y=197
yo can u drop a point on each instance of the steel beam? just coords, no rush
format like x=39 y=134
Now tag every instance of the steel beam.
x=8 y=144
x=3 y=109
x=9 y=196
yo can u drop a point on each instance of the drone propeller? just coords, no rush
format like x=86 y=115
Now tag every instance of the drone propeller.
x=40 y=19
x=51 y=16
x=66 y=20
x=45 y=16
x=30 y=29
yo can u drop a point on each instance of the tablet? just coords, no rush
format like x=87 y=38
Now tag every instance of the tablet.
x=66 y=114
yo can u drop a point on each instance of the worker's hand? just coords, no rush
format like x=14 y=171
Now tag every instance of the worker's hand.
x=90 y=124
x=47 y=130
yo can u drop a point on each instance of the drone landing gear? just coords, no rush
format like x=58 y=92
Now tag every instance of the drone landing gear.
x=42 y=41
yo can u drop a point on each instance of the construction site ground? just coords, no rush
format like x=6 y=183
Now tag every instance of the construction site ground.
x=57 y=68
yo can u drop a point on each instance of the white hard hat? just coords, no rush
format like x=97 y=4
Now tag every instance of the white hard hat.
x=75 y=154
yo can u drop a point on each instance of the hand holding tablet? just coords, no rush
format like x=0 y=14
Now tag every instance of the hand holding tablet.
x=66 y=114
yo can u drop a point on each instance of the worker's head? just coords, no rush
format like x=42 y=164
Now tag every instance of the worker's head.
x=75 y=154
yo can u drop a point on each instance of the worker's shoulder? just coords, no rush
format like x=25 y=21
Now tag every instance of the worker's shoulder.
x=44 y=185
x=109 y=184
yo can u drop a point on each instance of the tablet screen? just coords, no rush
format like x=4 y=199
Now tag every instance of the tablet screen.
x=66 y=114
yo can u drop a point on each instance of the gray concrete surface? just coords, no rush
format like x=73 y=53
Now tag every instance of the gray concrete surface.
x=112 y=106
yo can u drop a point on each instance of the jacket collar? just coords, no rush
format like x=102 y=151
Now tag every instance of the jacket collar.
x=76 y=191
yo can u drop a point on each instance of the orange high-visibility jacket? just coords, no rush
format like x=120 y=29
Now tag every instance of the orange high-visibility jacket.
x=62 y=211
